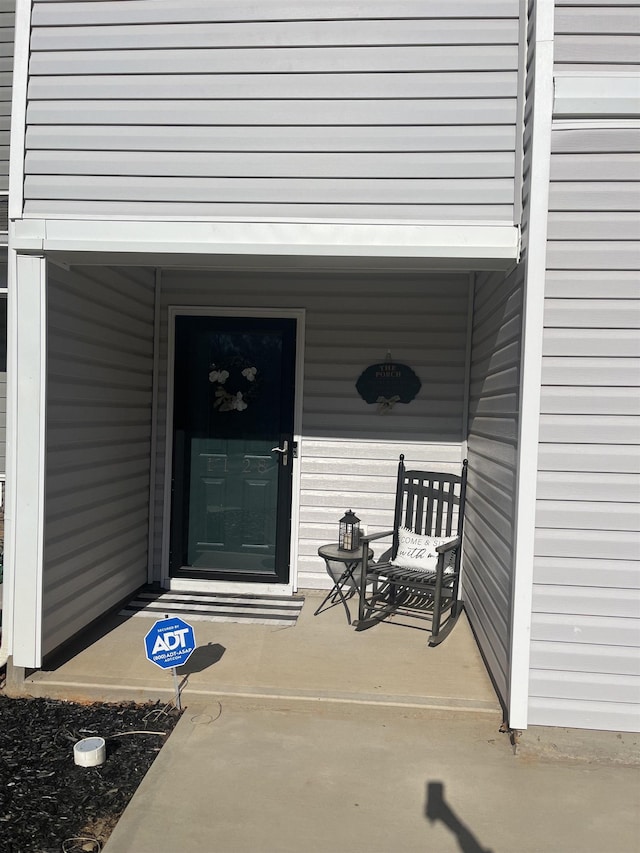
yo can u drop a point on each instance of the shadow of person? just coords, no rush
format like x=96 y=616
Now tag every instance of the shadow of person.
x=202 y=658
x=437 y=809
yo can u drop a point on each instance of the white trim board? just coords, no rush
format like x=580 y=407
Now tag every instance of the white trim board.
x=533 y=321
x=468 y=246
x=26 y=469
x=593 y=96
x=166 y=580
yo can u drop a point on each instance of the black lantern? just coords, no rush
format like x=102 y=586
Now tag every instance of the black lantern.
x=349 y=537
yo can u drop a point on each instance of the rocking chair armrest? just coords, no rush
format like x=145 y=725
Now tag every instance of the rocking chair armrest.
x=447 y=546
x=370 y=537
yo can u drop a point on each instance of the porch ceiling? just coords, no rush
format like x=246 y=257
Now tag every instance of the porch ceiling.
x=272 y=244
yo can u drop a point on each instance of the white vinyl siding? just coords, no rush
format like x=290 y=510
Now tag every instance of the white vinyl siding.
x=585 y=660
x=596 y=36
x=7 y=20
x=492 y=451
x=403 y=110
x=100 y=364
x=349 y=452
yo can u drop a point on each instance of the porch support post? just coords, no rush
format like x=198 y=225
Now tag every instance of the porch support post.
x=26 y=425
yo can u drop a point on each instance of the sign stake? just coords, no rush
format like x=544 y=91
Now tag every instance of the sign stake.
x=176 y=687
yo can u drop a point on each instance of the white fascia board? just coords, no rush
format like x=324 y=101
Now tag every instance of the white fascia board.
x=596 y=95
x=470 y=244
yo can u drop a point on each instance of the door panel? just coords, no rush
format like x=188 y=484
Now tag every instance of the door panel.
x=233 y=406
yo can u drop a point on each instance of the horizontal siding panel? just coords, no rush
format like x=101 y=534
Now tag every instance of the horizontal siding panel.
x=496 y=405
x=117 y=557
x=266 y=34
x=105 y=478
x=583 y=167
x=571 y=656
x=300 y=111
x=595 y=140
x=265 y=190
x=277 y=165
x=584 y=686
x=73 y=456
x=600 y=573
x=590 y=515
x=590 y=544
x=610 y=716
x=502 y=454
x=486 y=491
x=490 y=520
x=262 y=139
x=587 y=601
x=590 y=458
x=588 y=429
x=608 y=343
x=411 y=84
x=597 y=49
x=603 y=313
x=603 y=18
x=618 y=635
x=593 y=255
x=605 y=400
x=336 y=209
x=80 y=527
x=72 y=13
x=612 y=225
x=591 y=372
x=588 y=486
x=441 y=458
x=605 y=195
x=276 y=60
x=107 y=590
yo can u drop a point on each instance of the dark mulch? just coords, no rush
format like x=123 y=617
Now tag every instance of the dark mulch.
x=48 y=804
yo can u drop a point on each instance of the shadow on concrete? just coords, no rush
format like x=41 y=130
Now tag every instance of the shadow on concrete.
x=437 y=809
x=202 y=658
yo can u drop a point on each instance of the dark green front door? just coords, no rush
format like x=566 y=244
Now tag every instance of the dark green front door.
x=234 y=381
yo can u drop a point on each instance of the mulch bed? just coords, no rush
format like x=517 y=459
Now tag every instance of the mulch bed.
x=48 y=804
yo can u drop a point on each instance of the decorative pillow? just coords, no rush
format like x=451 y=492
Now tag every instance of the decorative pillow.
x=418 y=552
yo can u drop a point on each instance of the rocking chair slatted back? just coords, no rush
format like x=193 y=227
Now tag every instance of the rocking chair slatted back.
x=429 y=503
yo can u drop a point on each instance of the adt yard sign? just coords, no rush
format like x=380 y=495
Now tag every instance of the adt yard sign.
x=170 y=642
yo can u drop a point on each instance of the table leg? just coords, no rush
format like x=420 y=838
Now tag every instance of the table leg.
x=336 y=590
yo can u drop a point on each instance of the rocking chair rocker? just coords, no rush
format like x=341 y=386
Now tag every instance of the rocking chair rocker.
x=420 y=574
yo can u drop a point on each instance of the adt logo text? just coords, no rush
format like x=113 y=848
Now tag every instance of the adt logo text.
x=170 y=642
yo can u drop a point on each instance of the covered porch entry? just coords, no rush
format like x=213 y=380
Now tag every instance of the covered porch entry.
x=105 y=416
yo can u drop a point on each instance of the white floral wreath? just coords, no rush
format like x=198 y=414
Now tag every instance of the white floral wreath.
x=236 y=400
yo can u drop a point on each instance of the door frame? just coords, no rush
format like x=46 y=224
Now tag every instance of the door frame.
x=202 y=585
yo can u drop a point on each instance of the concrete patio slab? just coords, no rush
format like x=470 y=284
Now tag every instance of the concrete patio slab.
x=320 y=658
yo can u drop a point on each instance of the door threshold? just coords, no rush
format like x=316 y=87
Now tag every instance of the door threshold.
x=231 y=587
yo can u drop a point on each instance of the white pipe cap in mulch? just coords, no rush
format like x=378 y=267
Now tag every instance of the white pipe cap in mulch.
x=90 y=752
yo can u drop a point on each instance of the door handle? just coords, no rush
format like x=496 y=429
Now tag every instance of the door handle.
x=283 y=451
